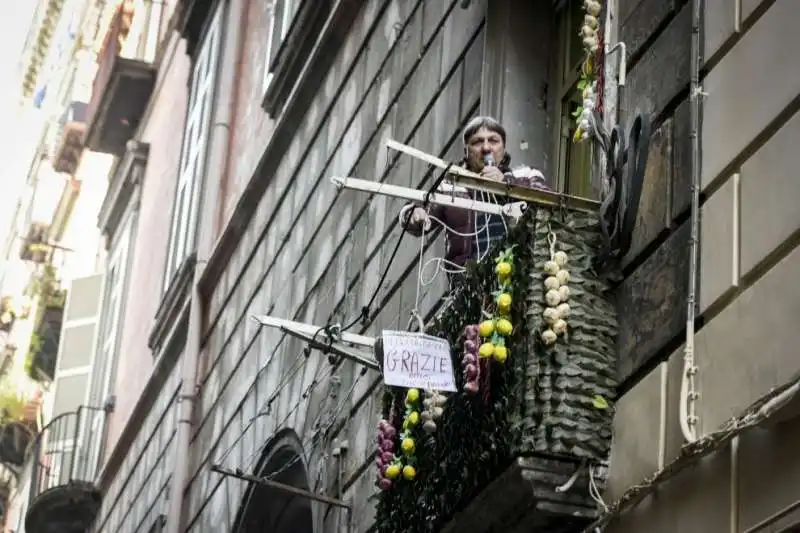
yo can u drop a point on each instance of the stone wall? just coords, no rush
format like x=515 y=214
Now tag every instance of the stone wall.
x=408 y=71
x=745 y=342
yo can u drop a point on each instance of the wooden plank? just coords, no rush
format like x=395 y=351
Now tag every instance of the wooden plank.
x=472 y=180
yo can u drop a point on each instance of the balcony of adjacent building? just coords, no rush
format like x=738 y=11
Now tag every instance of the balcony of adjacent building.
x=35 y=245
x=43 y=349
x=19 y=424
x=68 y=146
x=125 y=77
x=65 y=454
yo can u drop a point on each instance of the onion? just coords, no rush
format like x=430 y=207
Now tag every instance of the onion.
x=470 y=346
x=387 y=445
x=471 y=371
x=469 y=359
x=390 y=432
x=385 y=484
x=471 y=387
x=471 y=332
x=387 y=457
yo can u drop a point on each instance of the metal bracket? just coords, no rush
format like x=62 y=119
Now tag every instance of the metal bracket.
x=513 y=210
x=238 y=474
x=326 y=339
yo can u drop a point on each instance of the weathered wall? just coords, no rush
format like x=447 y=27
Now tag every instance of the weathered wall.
x=747 y=294
x=135 y=361
x=409 y=71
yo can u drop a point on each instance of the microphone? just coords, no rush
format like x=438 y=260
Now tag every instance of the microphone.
x=488 y=160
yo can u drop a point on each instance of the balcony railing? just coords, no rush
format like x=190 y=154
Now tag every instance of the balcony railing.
x=66 y=455
x=69 y=145
x=122 y=86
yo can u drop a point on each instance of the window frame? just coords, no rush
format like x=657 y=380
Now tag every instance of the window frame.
x=289 y=46
x=565 y=78
x=194 y=153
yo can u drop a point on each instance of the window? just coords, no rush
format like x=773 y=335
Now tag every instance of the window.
x=573 y=160
x=294 y=26
x=194 y=152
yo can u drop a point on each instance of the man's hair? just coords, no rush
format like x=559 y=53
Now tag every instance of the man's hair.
x=477 y=123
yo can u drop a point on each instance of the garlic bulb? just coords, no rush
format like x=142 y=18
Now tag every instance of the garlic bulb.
x=549 y=336
x=562 y=310
x=563 y=293
x=552 y=283
x=560 y=327
x=553 y=297
x=429 y=426
x=551 y=314
x=560 y=258
x=562 y=277
x=551 y=268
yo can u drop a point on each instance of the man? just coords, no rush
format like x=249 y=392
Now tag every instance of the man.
x=469 y=234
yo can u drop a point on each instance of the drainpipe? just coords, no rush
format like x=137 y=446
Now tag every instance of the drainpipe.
x=216 y=170
x=688 y=395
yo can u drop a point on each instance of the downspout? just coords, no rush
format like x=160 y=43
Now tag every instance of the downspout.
x=689 y=395
x=216 y=169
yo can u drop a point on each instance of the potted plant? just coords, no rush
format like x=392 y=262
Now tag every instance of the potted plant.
x=17 y=426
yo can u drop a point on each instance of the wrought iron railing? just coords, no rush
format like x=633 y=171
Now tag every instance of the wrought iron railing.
x=112 y=46
x=68 y=449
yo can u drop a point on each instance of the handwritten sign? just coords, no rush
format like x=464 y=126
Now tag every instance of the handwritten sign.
x=417 y=360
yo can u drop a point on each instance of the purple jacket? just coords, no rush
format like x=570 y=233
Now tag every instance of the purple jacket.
x=462 y=249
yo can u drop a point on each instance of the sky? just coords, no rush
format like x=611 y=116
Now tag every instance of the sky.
x=14 y=26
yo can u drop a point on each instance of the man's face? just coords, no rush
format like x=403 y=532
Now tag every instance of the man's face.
x=481 y=143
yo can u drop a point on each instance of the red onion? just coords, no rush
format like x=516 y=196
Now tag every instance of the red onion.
x=469 y=359
x=471 y=387
x=470 y=346
x=471 y=332
x=471 y=371
x=390 y=432
x=387 y=457
x=387 y=445
x=385 y=484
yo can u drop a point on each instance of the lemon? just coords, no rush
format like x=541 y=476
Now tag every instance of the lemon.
x=486 y=328
x=503 y=268
x=486 y=349
x=504 y=327
x=413 y=418
x=412 y=395
x=409 y=472
x=500 y=354
x=408 y=445
x=392 y=471
x=504 y=301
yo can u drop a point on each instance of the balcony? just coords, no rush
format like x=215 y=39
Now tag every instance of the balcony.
x=121 y=89
x=36 y=245
x=524 y=441
x=69 y=146
x=8 y=315
x=43 y=351
x=18 y=427
x=64 y=498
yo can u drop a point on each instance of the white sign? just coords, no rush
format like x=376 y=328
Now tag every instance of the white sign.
x=417 y=360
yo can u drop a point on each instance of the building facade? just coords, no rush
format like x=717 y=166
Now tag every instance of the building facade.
x=226 y=121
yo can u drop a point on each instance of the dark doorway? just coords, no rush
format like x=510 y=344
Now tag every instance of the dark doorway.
x=268 y=509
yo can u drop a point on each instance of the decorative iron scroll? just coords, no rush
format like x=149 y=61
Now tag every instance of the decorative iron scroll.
x=626 y=162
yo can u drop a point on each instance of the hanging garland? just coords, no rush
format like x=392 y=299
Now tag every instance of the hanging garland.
x=591 y=68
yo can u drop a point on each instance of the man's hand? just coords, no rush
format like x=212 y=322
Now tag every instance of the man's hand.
x=418 y=219
x=492 y=173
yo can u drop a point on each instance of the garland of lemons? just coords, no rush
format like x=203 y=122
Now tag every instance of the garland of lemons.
x=390 y=466
x=497 y=326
